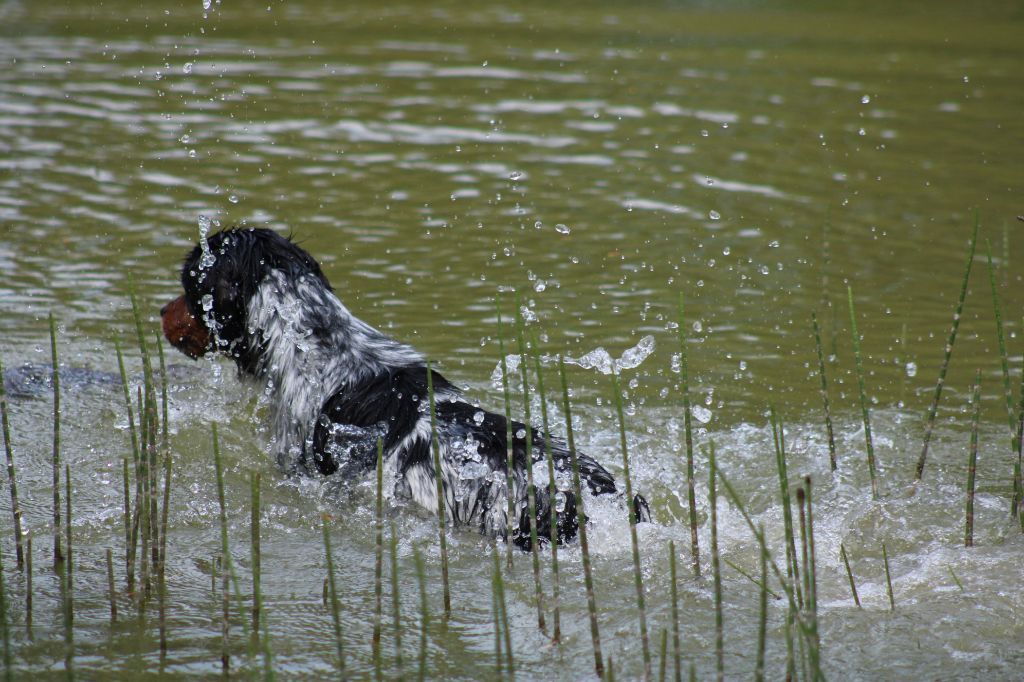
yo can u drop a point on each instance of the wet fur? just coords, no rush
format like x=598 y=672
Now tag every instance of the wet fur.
x=335 y=385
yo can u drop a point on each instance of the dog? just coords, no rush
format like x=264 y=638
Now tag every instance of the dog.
x=335 y=385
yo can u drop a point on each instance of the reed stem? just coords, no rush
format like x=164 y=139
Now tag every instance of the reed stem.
x=254 y=529
x=762 y=622
x=421 y=578
x=58 y=553
x=824 y=393
x=674 y=593
x=792 y=567
x=972 y=461
x=933 y=410
x=499 y=591
x=638 y=577
x=11 y=477
x=531 y=490
x=509 y=452
x=396 y=603
x=888 y=578
x=110 y=586
x=863 y=395
x=333 y=595
x=556 y=632
x=588 y=579
x=439 y=492
x=70 y=568
x=28 y=586
x=225 y=656
x=378 y=566
x=5 y=633
x=716 y=570
x=691 y=490
x=849 y=574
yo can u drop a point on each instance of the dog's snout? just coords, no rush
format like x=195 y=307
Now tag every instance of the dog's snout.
x=163 y=310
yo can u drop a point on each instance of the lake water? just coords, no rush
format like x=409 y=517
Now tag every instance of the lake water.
x=600 y=159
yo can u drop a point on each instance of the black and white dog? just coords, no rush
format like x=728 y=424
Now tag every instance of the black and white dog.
x=336 y=385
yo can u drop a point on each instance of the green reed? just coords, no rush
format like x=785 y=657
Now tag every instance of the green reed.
x=421 y=579
x=69 y=570
x=588 y=578
x=499 y=654
x=111 y=592
x=67 y=584
x=1007 y=390
x=762 y=621
x=849 y=574
x=531 y=490
x=11 y=475
x=804 y=503
x=956 y=580
x=972 y=462
x=638 y=576
x=863 y=395
x=378 y=566
x=162 y=563
x=5 y=633
x=759 y=536
x=674 y=596
x=28 y=586
x=716 y=570
x=779 y=439
x=502 y=611
x=396 y=602
x=255 y=551
x=824 y=393
x=663 y=655
x=439 y=491
x=933 y=410
x=753 y=580
x=509 y=458
x=556 y=631
x=58 y=553
x=333 y=596
x=691 y=491
x=225 y=656
x=888 y=578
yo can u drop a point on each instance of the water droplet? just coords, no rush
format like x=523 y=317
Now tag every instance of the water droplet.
x=774 y=244
x=478 y=417
x=187 y=68
x=516 y=175
x=540 y=286
x=911 y=368
x=714 y=215
x=866 y=99
x=233 y=198
x=701 y=414
x=562 y=229
x=725 y=251
x=521 y=434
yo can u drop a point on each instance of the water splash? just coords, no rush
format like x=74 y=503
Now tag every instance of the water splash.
x=599 y=359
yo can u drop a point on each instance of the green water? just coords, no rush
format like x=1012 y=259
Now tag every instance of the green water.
x=599 y=158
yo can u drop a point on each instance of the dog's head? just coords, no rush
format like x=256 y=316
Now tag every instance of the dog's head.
x=219 y=277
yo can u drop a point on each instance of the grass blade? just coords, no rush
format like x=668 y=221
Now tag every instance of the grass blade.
x=691 y=490
x=439 y=491
x=863 y=397
x=588 y=579
x=933 y=410
x=638 y=577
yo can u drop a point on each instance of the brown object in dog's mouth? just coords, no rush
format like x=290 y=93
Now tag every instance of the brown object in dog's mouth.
x=183 y=330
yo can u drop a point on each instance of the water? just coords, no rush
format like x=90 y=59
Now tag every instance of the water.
x=600 y=160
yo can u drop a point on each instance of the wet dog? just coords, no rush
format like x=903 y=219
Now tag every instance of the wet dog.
x=335 y=385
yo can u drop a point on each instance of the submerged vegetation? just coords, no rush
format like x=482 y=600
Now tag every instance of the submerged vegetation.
x=785 y=573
